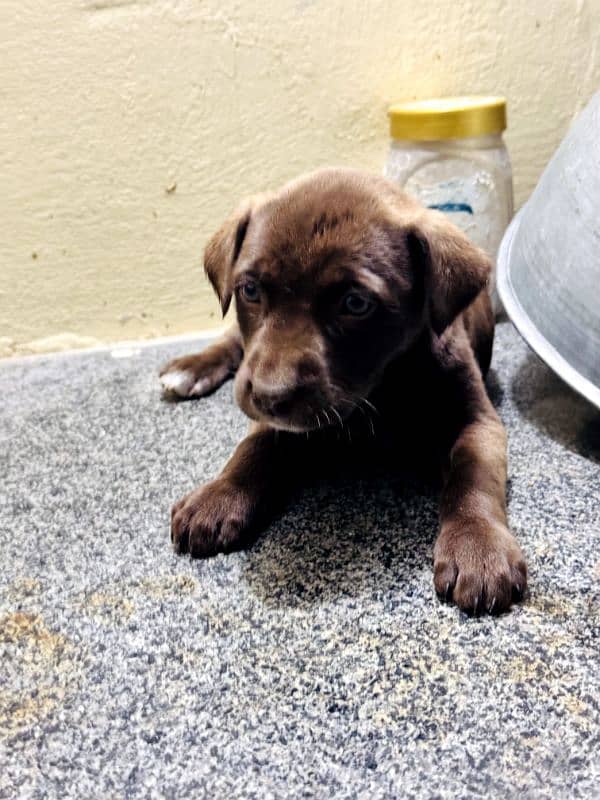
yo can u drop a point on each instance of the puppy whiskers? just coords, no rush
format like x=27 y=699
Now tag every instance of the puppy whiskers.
x=338 y=415
x=368 y=412
x=369 y=404
x=365 y=412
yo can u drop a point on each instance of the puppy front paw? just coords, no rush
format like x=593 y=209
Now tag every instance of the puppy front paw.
x=196 y=375
x=479 y=566
x=215 y=518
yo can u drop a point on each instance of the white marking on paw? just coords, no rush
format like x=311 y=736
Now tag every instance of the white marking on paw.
x=202 y=386
x=180 y=381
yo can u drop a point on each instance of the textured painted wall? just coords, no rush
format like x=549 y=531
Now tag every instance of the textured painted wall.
x=129 y=128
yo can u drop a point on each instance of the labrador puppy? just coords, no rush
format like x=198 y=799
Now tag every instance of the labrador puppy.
x=359 y=312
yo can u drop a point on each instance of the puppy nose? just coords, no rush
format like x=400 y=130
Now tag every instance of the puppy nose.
x=278 y=390
x=274 y=401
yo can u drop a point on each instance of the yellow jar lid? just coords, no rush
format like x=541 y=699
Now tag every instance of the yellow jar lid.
x=447 y=118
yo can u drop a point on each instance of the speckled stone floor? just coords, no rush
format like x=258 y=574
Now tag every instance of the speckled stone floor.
x=317 y=664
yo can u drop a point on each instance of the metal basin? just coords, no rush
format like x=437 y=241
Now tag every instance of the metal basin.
x=548 y=272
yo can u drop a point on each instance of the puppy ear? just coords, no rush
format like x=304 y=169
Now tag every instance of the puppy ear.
x=456 y=270
x=223 y=250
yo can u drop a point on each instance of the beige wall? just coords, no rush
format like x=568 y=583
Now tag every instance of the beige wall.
x=129 y=128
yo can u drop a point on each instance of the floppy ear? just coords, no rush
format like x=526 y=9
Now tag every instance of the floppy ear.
x=456 y=270
x=223 y=250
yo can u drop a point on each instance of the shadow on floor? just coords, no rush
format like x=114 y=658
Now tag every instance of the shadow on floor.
x=345 y=539
x=555 y=409
x=494 y=388
x=349 y=537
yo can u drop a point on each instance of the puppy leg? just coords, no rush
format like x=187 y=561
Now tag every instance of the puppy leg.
x=224 y=514
x=200 y=374
x=477 y=561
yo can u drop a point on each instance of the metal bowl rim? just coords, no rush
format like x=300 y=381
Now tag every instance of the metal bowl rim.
x=525 y=326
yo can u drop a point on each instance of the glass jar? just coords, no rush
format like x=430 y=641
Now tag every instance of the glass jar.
x=449 y=154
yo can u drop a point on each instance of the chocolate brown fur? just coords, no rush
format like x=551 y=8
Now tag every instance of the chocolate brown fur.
x=356 y=308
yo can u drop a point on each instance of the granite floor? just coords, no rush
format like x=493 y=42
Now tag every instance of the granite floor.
x=318 y=663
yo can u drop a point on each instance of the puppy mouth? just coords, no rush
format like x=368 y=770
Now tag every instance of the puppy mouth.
x=303 y=409
x=301 y=421
x=304 y=419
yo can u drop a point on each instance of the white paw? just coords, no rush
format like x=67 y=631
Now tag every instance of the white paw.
x=179 y=382
x=202 y=386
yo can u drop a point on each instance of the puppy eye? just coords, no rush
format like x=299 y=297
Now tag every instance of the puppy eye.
x=250 y=291
x=356 y=305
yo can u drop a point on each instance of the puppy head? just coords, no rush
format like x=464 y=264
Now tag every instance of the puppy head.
x=333 y=277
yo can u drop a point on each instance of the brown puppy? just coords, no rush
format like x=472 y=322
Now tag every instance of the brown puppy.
x=354 y=301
